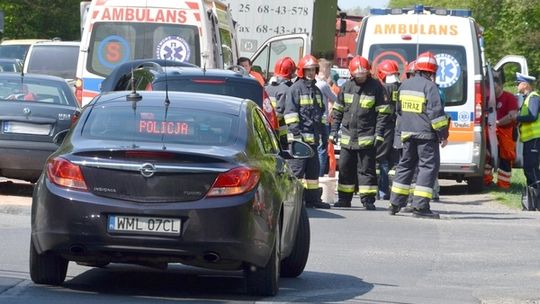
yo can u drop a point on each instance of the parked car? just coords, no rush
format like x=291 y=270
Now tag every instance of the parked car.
x=153 y=75
x=10 y=65
x=178 y=177
x=35 y=113
x=16 y=48
x=55 y=58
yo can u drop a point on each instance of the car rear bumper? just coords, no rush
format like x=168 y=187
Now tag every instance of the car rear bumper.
x=74 y=224
x=24 y=160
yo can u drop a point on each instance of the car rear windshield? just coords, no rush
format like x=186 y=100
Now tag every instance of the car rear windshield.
x=13 y=51
x=452 y=61
x=242 y=89
x=150 y=124
x=42 y=91
x=55 y=60
x=113 y=43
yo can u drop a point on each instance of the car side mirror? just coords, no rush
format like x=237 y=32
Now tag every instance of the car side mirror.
x=300 y=150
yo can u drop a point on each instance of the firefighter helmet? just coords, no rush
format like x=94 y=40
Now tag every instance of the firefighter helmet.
x=358 y=65
x=284 y=67
x=307 y=62
x=426 y=62
x=387 y=67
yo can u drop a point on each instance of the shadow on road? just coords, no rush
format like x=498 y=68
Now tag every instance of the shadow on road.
x=183 y=282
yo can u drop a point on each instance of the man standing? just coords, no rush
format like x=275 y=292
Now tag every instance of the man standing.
x=246 y=64
x=328 y=99
x=507 y=107
x=388 y=74
x=529 y=128
x=304 y=110
x=284 y=70
x=423 y=126
x=361 y=111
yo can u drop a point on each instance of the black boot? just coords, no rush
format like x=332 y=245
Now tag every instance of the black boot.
x=425 y=213
x=369 y=202
x=318 y=205
x=393 y=209
x=343 y=204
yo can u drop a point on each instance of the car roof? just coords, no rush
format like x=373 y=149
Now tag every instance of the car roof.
x=56 y=43
x=199 y=72
x=188 y=100
x=22 y=41
x=14 y=75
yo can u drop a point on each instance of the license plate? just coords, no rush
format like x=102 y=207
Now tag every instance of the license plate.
x=26 y=128
x=145 y=225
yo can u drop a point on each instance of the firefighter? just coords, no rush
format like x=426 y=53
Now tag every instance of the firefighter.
x=361 y=111
x=388 y=74
x=423 y=126
x=304 y=110
x=284 y=72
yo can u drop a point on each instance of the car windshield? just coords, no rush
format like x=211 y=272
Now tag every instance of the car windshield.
x=452 y=61
x=9 y=66
x=55 y=60
x=42 y=91
x=114 y=43
x=149 y=124
x=241 y=89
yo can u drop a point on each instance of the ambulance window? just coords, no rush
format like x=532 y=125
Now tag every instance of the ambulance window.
x=226 y=47
x=113 y=43
x=452 y=60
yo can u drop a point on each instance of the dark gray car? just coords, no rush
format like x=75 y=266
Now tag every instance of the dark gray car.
x=189 y=178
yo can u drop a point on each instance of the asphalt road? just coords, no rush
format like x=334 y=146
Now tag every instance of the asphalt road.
x=478 y=252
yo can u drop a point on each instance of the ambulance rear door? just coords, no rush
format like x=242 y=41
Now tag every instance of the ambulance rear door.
x=226 y=35
x=513 y=63
x=292 y=45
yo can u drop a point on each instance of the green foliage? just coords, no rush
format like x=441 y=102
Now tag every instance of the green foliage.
x=33 y=19
x=511 y=197
x=510 y=26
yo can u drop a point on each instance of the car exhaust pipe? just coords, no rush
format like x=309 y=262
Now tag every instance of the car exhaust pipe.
x=77 y=249
x=211 y=257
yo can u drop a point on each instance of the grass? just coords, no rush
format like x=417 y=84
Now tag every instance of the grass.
x=511 y=197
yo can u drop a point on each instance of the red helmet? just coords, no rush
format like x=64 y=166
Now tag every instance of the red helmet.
x=306 y=62
x=284 y=67
x=426 y=62
x=359 y=64
x=387 y=67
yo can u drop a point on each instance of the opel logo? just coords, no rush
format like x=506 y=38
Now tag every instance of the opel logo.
x=148 y=170
x=26 y=111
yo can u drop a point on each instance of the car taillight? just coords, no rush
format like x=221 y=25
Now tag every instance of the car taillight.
x=65 y=174
x=270 y=112
x=235 y=181
x=478 y=100
x=78 y=90
x=74 y=117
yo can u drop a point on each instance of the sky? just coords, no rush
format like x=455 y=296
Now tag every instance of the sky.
x=347 y=4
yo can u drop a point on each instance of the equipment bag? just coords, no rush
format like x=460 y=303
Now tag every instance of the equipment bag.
x=530 y=197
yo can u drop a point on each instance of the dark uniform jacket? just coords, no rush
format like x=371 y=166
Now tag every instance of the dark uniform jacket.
x=384 y=149
x=362 y=113
x=421 y=111
x=304 y=110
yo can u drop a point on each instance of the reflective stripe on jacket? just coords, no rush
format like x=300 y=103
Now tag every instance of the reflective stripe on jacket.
x=528 y=130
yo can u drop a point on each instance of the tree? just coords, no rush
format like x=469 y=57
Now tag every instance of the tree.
x=27 y=19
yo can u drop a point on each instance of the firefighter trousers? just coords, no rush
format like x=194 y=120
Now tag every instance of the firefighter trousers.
x=421 y=154
x=307 y=170
x=357 y=166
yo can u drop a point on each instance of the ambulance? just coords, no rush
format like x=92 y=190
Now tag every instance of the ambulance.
x=199 y=32
x=463 y=75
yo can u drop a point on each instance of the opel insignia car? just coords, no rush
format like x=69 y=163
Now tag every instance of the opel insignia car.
x=171 y=177
x=35 y=113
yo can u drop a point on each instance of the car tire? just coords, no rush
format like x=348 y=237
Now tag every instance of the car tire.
x=47 y=268
x=294 y=264
x=264 y=281
x=475 y=184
